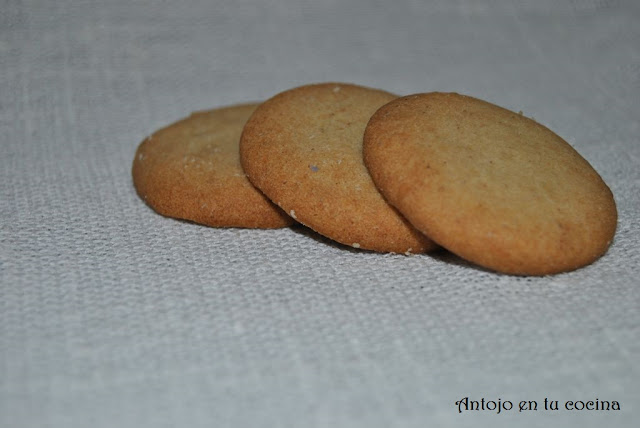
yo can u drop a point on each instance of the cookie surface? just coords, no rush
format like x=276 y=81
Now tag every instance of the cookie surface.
x=191 y=170
x=490 y=185
x=303 y=149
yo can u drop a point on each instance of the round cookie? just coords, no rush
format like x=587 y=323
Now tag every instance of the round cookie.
x=303 y=149
x=191 y=170
x=490 y=185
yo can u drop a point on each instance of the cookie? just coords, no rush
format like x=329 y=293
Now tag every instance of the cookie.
x=490 y=185
x=191 y=170
x=303 y=149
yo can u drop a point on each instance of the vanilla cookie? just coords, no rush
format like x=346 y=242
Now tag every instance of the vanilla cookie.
x=490 y=185
x=191 y=170
x=303 y=149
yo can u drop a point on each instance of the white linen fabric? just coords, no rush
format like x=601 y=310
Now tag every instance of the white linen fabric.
x=113 y=316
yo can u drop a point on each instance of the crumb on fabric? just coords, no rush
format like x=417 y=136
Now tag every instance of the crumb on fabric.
x=336 y=89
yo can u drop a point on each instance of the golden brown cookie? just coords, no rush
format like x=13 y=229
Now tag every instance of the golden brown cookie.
x=490 y=185
x=303 y=149
x=191 y=170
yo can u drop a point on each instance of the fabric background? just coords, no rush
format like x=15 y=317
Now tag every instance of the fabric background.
x=113 y=316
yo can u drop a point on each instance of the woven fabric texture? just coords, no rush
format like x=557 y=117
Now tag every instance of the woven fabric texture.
x=113 y=316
